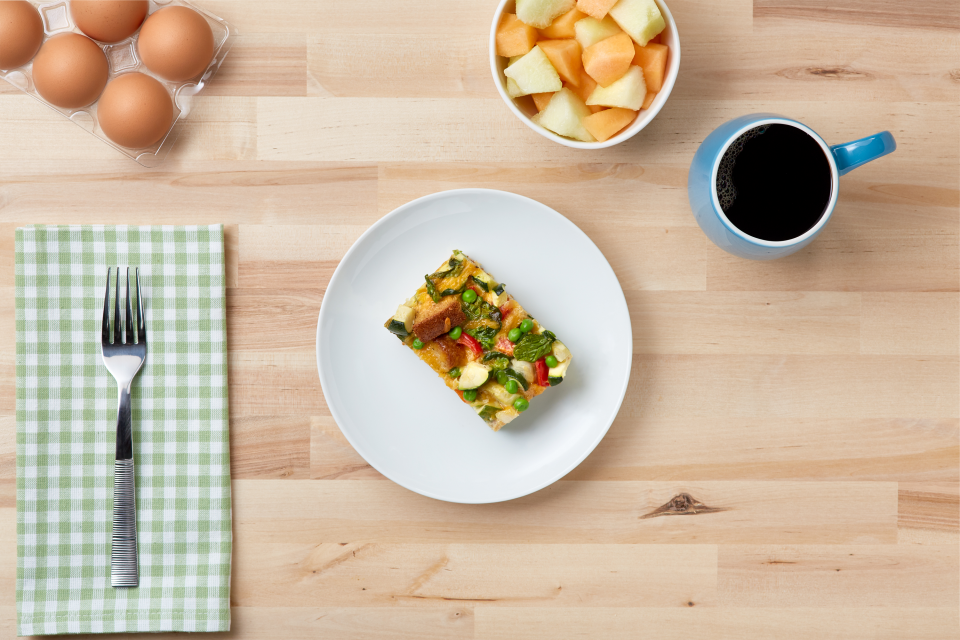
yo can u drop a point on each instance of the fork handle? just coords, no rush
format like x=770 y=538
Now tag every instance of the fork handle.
x=124 y=569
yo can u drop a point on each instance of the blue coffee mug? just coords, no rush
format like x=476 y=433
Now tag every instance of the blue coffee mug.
x=702 y=184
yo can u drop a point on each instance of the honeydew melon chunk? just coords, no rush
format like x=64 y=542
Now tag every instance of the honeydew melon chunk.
x=590 y=31
x=533 y=73
x=640 y=19
x=513 y=89
x=628 y=92
x=541 y=13
x=563 y=115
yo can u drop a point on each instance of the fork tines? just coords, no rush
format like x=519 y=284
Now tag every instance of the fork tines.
x=127 y=335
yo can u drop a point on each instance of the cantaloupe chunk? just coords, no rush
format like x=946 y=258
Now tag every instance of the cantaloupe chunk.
x=514 y=38
x=587 y=85
x=641 y=19
x=590 y=31
x=648 y=100
x=628 y=92
x=653 y=60
x=541 y=100
x=606 y=124
x=609 y=59
x=595 y=8
x=533 y=73
x=657 y=39
x=564 y=114
x=565 y=56
x=542 y=13
x=562 y=27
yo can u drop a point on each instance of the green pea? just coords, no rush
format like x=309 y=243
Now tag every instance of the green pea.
x=514 y=335
x=526 y=326
x=454 y=373
x=521 y=405
x=470 y=395
x=511 y=386
x=417 y=344
x=502 y=377
x=551 y=361
x=469 y=296
x=455 y=333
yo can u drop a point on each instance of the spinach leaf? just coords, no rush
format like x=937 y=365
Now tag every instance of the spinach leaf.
x=453 y=292
x=477 y=309
x=484 y=335
x=456 y=268
x=480 y=283
x=432 y=289
x=510 y=373
x=532 y=347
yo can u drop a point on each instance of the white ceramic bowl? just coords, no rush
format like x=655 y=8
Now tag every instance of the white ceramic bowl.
x=669 y=37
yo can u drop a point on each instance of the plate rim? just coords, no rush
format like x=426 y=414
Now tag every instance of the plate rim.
x=601 y=434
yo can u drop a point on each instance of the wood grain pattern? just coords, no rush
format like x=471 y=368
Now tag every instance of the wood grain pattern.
x=786 y=463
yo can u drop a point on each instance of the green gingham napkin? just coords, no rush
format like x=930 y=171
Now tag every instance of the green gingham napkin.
x=66 y=428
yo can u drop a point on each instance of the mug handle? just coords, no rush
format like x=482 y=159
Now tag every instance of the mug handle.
x=851 y=155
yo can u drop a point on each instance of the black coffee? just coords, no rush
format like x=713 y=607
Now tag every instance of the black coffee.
x=774 y=182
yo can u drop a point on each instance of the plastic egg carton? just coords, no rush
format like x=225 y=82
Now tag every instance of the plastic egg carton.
x=122 y=58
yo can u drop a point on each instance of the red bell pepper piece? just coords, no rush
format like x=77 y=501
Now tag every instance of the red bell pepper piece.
x=543 y=372
x=504 y=312
x=471 y=343
x=505 y=346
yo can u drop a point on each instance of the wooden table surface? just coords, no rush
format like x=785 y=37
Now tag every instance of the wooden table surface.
x=811 y=404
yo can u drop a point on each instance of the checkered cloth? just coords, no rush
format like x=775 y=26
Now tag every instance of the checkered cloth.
x=66 y=432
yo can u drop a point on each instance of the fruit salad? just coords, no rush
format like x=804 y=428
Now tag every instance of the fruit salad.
x=588 y=66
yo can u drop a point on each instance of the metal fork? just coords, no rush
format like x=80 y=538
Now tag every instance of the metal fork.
x=123 y=360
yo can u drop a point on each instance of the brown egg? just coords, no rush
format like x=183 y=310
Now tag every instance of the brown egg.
x=176 y=43
x=70 y=71
x=135 y=111
x=21 y=32
x=108 y=20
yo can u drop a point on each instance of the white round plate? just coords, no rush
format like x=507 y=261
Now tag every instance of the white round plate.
x=390 y=405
